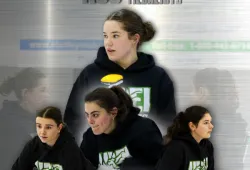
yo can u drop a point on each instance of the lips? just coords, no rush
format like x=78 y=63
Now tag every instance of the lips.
x=43 y=137
x=110 y=50
x=94 y=127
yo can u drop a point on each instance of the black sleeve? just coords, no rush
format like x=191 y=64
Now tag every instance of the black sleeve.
x=76 y=160
x=172 y=158
x=148 y=144
x=25 y=159
x=74 y=116
x=166 y=107
x=89 y=147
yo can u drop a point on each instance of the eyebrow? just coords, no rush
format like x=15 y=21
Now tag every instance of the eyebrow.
x=45 y=124
x=92 y=112
x=112 y=32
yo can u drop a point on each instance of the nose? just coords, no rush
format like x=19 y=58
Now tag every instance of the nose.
x=211 y=126
x=90 y=120
x=108 y=42
x=42 y=131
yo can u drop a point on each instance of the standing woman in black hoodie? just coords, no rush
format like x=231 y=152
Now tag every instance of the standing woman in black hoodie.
x=53 y=147
x=187 y=144
x=119 y=62
x=118 y=138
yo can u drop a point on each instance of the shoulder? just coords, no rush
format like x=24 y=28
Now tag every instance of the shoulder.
x=71 y=148
x=67 y=143
x=91 y=66
x=32 y=144
x=87 y=69
x=174 y=149
x=175 y=146
x=144 y=125
x=146 y=121
x=35 y=141
x=176 y=143
x=164 y=73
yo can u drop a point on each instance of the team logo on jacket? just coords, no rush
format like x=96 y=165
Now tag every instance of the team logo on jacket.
x=198 y=165
x=112 y=159
x=141 y=98
x=112 y=80
x=47 y=166
x=140 y=95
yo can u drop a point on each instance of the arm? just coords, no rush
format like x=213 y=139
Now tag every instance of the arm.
x=166 y=108
x=172 y=158
x=73 y=116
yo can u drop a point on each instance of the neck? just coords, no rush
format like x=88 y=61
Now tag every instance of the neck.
x=196 y=137
x=52 y=143
x=128 y=60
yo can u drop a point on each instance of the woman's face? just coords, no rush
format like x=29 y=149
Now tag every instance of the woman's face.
x=47 y=130
x=37 y=97
x=203 y=129
x=99 y=119
x=116 y=41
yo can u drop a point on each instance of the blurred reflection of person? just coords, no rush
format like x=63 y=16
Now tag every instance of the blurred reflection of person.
x=17 y=117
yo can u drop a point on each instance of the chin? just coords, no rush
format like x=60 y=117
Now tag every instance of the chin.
x=43 y=141
x=96 y=132
x=207 y=137
x=112 y=58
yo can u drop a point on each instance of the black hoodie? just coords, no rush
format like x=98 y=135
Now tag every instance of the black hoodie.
x=185 y=153
x=137 y=141
x=149 y=85
x=64 y=155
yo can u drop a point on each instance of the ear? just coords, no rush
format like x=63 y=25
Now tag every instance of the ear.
x=191 y=126
x=24 y=93
x=203 y=93
x=60 y=127
x=136 y=38
x=114 y=112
